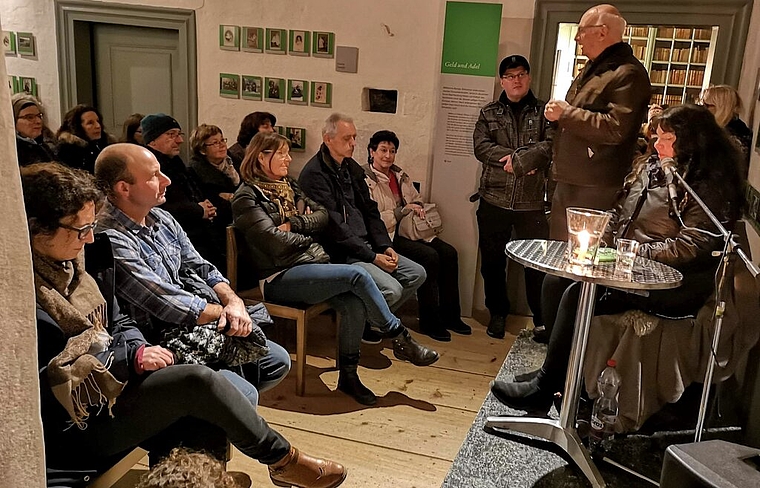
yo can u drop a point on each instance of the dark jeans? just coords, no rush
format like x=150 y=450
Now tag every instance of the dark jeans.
x=496 y=227
x=159 y=401
x=438 y=296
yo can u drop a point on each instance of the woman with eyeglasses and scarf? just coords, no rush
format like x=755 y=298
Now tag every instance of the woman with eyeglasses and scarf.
x=34 y=141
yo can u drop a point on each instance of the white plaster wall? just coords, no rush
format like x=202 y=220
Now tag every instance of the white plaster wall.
x=21 y=450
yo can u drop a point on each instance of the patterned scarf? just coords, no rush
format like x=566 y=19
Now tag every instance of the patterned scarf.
x=281 y=193
x=72 y=299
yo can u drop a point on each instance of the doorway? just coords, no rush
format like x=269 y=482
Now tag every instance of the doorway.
x=125 y=60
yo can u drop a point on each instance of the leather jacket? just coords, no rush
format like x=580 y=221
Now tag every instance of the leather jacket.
x=527 y=136
x=644 y=213
x=270 y=249
x=598 y=132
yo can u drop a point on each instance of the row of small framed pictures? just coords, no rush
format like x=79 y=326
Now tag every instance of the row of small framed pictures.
x=296 y=136
x=277 y=41
x=18 y=84
x=298 y=92
x=21 y=43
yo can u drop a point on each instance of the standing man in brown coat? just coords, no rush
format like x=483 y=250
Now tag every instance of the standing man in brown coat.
x=600 y=119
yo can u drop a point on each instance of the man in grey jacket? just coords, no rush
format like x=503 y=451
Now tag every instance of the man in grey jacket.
x=513 y=141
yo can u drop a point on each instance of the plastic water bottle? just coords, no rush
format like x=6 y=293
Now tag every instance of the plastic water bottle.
x=605 y=412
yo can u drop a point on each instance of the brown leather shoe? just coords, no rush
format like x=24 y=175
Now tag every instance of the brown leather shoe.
x=304 y=471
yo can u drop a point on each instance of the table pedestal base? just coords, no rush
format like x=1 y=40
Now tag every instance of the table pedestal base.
x=552 y=431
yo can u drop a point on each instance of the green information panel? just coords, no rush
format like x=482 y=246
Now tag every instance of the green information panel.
x=471 y=38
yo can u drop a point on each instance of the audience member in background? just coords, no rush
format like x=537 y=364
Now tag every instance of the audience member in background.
x=252 y=124
x=690 y=135
x=186 y=469
x=513 y=142
x=213 y=168
x=81 y=137
x=355 y=233
x=599 y=121
x=132 y=132
x=185 y=198
x=34 y=143
x=104 y=389
x=280 y=226
x=724 y=102
x=161 y=277
x=397 y=199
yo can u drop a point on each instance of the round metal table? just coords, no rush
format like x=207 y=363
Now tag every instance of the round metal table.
x=551 y=258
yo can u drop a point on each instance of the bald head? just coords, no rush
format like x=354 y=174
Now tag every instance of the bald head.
x=131 y=177
x=599 y=28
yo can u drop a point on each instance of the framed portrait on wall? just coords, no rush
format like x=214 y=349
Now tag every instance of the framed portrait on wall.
x=276 y=42
x=297 y=138
x=300 y=43
x=321 y=94
x=298 y=92
x=27 y=85
x=229 y=85
x=253 y=39
x=323 y=44
x=229 y=37
x=252 y=87
x=9 y=43
x=25 y=43
x=274 y=90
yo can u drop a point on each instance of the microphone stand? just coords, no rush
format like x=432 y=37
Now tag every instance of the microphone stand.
x=731 y=247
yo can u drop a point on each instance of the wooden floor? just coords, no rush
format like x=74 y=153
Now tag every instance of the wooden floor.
x=410 y=438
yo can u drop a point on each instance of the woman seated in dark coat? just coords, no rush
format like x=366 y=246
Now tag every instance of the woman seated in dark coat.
x=689 y=135
x=104 y=390
x=82 y=137
x=281 y=226
x=214 y=171
x=34 y=142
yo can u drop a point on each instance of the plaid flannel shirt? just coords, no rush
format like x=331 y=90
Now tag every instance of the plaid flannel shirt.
x=150 y=261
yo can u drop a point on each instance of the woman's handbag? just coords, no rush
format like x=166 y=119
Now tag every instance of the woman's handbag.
x=416 y=228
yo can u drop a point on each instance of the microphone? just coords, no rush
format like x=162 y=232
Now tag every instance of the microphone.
x=669 y=166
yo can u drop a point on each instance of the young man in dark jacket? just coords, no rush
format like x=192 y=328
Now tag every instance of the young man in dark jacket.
x=355 y=233
x=513 y=141
x=600 y=119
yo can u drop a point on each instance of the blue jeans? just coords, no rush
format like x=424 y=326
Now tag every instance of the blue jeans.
x=266 y=373
x=349 y=289
x=397 y=287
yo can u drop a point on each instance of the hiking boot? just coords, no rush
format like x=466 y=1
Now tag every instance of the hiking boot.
x=406 y=348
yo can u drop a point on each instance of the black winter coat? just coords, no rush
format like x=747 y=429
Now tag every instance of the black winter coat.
x=270 y=249
x=355 y=229
x=77 y=153
x=42 y=151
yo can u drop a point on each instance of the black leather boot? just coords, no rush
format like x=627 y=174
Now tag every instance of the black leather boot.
x=534 y=396
x=407 y=349
x=349 y=382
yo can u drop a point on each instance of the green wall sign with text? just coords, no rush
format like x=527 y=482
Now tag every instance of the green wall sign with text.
x=471 y=38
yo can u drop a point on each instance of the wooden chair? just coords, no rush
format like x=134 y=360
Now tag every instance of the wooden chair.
x=302 y=314
x=118 y=470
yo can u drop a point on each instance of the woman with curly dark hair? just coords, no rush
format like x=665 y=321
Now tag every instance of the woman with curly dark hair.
x=252 y=124
x=104 y=389
x=81 y=137
x=712 y=165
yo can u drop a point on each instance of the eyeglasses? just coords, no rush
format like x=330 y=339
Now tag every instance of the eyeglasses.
x=584 y=28
x=175 y=135
x=279 y=154
x=31 y=117
x=219 y=143
x=82 y=232
x=518 y=76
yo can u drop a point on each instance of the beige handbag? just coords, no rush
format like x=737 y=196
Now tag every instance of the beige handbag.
x=415 y=228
